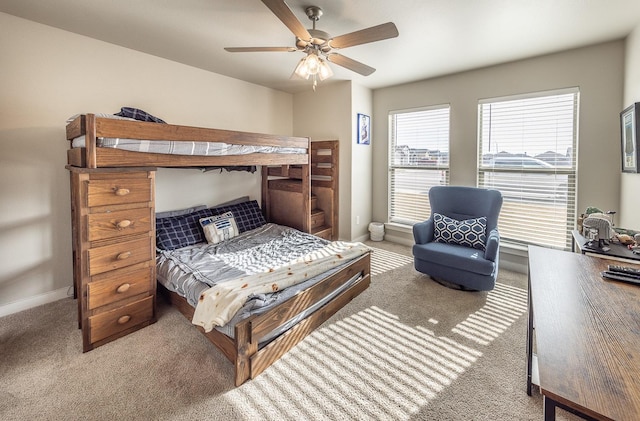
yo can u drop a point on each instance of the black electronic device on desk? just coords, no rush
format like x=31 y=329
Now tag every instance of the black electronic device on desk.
x=622 y=273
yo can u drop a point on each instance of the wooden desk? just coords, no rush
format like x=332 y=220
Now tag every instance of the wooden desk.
x=587 y=336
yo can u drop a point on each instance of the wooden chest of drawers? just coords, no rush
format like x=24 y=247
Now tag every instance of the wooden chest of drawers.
x=113 y=228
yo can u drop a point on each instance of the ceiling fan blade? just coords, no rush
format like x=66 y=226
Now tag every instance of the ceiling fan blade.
x=364 y=36
x=350 y=64
x=282 y=11
x=259 y=49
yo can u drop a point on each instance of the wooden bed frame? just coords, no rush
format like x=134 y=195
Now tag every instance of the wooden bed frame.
x=243 y=350
x=92 y=156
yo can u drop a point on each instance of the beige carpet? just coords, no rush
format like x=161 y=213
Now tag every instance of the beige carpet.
x=406 y=349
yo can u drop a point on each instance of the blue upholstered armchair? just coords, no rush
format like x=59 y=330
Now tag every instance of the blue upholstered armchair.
x=459 y=243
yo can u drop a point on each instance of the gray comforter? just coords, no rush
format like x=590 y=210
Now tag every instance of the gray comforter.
x=245 y=268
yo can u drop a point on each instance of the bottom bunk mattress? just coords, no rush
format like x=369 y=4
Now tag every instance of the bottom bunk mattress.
x=252 y=273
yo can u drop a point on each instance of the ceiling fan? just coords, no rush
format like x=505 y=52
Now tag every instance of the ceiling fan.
x=317 y=44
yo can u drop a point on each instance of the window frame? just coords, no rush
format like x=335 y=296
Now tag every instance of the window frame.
x=571 y=173
x=392 y=167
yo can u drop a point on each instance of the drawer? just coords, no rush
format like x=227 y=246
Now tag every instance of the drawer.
x=286 y=185
x=326 y=234
x=116 y=256
x=111 y=322
x=119 y=223
x=119 y=284
x=317 y=218
x=119 y=191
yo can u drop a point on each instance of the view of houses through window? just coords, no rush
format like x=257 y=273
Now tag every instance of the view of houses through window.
x=419 y=159
x=527 y=150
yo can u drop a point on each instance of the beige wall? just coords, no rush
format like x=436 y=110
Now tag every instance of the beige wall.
x=48 y=75
x=630 y=183
x=331 y=113
x=596 y=70
x=361 y=167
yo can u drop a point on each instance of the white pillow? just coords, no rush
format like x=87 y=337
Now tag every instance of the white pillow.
x=218 y=228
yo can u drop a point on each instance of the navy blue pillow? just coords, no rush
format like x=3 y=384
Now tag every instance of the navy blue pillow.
x=248 y=215
x=138 y=115
x=469 y=233
x=180 y=231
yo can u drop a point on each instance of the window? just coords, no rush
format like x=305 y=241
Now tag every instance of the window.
x=418 y=159
x=527 y=150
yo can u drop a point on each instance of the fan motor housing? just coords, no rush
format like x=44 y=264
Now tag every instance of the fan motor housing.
x=318 y=39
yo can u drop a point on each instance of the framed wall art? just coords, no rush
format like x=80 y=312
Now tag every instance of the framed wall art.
x=364 y=129
x=629 y=138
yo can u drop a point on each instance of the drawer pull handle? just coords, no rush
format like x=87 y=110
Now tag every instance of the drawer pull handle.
x=119 y=191
x=123 y=224
x=123 y=319
x=124 y=255
x=123 y=288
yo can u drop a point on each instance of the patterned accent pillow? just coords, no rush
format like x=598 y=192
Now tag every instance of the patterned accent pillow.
x=180 y=231
x=137 y=114
x=219 y=228
x=248 y=215
x=470 y=232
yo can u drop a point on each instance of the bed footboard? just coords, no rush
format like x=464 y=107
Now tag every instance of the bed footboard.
x=265 y=323
x=243 y=350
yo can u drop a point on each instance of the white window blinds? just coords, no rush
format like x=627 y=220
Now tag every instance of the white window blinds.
x=418 y=160
x=527 y=150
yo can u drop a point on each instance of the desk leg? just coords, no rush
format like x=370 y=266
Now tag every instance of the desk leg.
x=529 y=338
x=549 y=408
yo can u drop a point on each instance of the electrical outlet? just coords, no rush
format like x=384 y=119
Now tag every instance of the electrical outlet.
x=357 y=220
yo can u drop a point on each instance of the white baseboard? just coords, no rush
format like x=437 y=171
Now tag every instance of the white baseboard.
x=399 y=239
x=38 y=300
x=362 y=238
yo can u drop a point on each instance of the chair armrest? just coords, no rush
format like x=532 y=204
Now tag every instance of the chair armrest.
x=492 y=245
x=423 y=232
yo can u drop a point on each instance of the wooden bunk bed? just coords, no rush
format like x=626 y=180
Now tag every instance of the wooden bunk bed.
x=285 y=184
x=113 y=220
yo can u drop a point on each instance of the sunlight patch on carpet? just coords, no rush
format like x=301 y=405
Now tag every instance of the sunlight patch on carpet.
x=384 y=260
x=505 y=304
x=367 y=366
x=370 y=365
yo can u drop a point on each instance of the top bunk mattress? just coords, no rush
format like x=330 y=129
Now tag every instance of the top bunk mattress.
x=170 y=147
x=185 y=147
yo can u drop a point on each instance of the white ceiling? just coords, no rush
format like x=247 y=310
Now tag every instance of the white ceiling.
x=437 y=37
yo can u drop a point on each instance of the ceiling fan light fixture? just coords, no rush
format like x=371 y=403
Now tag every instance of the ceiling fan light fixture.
x=309 y=65
x=314 y=67
x=325 y=71
x=301 y=71
x=312 y=63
